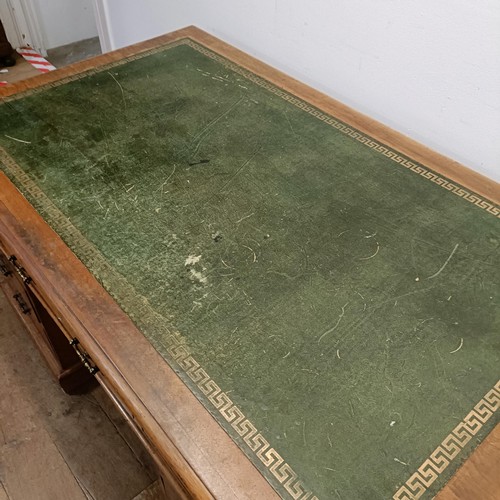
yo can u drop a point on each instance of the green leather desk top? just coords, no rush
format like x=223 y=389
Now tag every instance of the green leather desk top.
x=333 y=304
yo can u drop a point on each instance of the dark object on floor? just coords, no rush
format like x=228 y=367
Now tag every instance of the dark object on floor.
x=6 y=50
x=7 y=61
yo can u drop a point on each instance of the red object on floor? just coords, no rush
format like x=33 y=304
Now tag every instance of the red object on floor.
x=35 y=59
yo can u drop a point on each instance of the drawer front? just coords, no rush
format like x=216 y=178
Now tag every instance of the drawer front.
x=6 y=268
x=45 y=327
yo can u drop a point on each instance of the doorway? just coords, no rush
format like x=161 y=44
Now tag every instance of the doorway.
x=63 y=31
x=20 y=20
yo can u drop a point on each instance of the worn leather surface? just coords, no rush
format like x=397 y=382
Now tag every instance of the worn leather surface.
x=346 y=304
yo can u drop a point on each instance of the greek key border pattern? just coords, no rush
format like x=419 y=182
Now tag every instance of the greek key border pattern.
x=308 y=108
x=254 y=440
x=351 y=132
x=176 y=348
x=169 y=344
x=450 y=447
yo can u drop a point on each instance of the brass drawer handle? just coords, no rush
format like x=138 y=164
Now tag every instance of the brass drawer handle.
x=22 y=305
x=20 y=270
x=85 y=357
x=4 y=269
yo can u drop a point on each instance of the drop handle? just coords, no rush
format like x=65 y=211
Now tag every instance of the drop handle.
x=84 y=356
x=21 y=303
x=20 y=270
x=4 y=269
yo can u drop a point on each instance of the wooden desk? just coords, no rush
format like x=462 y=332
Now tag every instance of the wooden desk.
x=197 y=458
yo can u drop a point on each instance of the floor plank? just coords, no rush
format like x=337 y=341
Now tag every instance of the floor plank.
x=21 y=71
x=53 y=445
x=152 y=492
x=59 y=57
x=124 y=430
x=31 y=465
x=3 y=493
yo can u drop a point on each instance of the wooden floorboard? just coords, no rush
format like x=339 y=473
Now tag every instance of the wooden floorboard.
x=54 y=446
x=60 y=56
x=3 y=493
x=21 y=71
x=124 y=430
x=31 y=465
x=152 y=492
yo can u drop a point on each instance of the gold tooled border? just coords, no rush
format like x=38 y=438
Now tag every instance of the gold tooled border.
x=170 y=344
x=342 y=127
x=450 y=447
x=352 y=132
x=175 y=345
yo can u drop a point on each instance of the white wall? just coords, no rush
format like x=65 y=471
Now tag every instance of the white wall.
x=428 y=68
x=65 y=21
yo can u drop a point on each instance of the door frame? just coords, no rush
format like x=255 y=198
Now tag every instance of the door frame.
x=24 y=29
x=9 y=24
x=104 y=30
x=23 y=24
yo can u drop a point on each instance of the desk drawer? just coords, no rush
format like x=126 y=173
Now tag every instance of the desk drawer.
x=50 y=337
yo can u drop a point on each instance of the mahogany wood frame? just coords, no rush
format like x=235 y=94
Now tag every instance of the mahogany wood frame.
x=196 y=457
